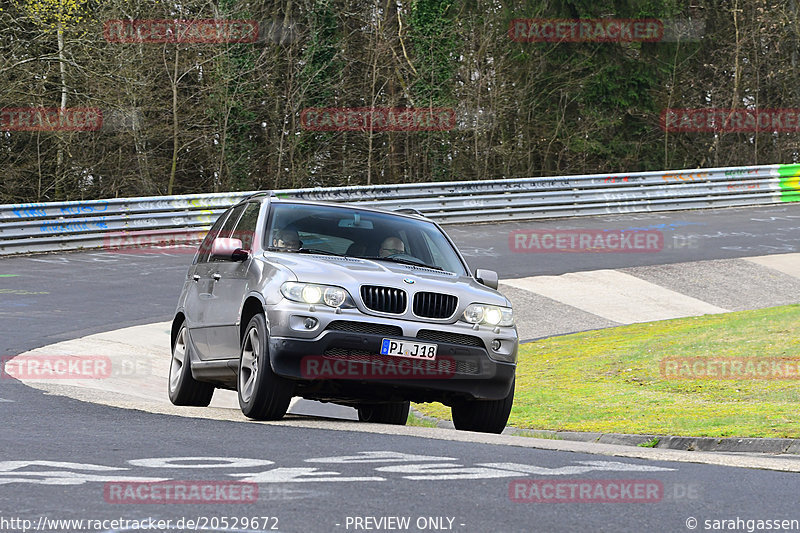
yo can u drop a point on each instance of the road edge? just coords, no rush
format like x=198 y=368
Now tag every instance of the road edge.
x=665 y=442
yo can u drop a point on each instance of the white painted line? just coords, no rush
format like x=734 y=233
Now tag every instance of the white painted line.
x=615 y=296
x=786 y=263
x=4 y=400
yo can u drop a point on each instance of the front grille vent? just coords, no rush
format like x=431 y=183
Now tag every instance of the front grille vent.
x=449 y=338
x=384 y=299
x=365 y=327
x=348 y=354
x=434 y=305
x=468 y=367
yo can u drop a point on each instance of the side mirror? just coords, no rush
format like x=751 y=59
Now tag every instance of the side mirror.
x=228 y=249
x=487 y=277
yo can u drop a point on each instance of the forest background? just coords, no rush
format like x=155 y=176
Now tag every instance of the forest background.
x=190 y=117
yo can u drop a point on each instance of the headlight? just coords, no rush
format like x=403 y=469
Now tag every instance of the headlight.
x=474 y=313
x=311 y=293
x=490 y=315
x=334 y=296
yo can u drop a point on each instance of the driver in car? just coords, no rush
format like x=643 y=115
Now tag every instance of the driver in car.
x=391 y=246
x=287 y=239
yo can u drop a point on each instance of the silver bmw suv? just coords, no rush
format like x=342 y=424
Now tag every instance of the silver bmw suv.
x=361 y=307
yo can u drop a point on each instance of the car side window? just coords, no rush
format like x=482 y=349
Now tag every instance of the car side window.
x=226 y=230
x=246 y=227
x=204 y=251
x=230 y=223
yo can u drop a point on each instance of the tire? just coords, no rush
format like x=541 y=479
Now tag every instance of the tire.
x=183 y=388
x=395 y=413
x=263 y=395
x=484 y=416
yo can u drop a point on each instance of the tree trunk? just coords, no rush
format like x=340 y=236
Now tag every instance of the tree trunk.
x=60 y=155
x=174 y=165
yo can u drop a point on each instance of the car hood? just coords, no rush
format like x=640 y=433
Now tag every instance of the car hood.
x=351 y=273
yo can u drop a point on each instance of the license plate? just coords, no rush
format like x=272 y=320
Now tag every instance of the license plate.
x=413 y=350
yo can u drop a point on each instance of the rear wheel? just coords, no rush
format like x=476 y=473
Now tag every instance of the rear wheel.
x=484 y=416
x=263 y=395
x=183 y=388
x=385 y=413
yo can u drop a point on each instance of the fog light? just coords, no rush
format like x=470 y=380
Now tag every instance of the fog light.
x=496 y=345
x=310 y=323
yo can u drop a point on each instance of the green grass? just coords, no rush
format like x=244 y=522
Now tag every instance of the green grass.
x=610 y=380
x=414 y=420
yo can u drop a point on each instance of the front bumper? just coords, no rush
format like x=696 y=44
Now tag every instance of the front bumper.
x=356 y=372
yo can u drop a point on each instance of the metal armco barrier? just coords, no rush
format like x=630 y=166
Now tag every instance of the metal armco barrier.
x=41 y=227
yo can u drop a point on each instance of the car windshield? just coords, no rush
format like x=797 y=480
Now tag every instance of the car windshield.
x=331 y=230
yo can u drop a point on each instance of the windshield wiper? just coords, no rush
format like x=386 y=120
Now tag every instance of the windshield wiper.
x=303 y=251
x=404 y=261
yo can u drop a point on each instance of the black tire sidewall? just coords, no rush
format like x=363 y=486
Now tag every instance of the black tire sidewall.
x=484 y=416
x=395 y=413
x=271 y=393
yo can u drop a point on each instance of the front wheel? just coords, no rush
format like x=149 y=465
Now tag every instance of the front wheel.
x=395 y=413
x=484 y=416
x=183 y=388
x=263 y=395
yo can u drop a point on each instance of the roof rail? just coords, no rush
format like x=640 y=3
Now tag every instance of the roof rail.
x=270 y=193
x=409 y=211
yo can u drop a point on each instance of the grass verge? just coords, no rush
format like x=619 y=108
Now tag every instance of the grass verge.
x=611 y=380
x=414 y=420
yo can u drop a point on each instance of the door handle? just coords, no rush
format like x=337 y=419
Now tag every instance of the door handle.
x=196 y=278
x=216 y=276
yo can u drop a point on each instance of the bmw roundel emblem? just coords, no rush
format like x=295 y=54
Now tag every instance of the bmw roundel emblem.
x=408 y=280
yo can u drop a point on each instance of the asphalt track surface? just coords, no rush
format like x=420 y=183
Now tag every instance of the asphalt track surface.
x=50 y=298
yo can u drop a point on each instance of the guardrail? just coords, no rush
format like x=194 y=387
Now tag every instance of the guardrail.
x=41 y=227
